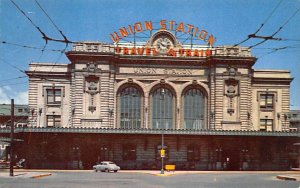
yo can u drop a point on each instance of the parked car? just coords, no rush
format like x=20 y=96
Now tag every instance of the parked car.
x=106 y=166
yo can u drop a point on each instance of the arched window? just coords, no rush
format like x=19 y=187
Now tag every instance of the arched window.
x=162 y=109
x=130 y=108
x=194 y=109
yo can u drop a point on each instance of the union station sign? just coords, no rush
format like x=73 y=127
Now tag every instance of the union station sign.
x=163 y=42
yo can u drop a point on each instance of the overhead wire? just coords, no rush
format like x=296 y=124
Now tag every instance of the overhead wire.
x=278 y=30
x=13 y=84
x=66 y=40
x=44 y=36
x=30 y=47
x=261 y=26
x=13 y=66
x=8 y=79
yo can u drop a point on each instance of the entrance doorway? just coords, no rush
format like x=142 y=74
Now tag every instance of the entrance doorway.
x=104 y=153
x=231 y=159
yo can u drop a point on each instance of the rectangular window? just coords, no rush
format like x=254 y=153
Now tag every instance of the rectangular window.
x=266 y=101
x=266 y=125
x=53 y=96
x=53 y=121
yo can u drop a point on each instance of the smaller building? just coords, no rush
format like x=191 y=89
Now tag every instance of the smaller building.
x=21 y=120
x=21 y=115
x=294 y=117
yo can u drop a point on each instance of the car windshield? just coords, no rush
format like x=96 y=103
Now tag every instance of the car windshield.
x=111 y=163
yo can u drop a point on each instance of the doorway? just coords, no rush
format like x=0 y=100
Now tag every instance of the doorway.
x=231 y=159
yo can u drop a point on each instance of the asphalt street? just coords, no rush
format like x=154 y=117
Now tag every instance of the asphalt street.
x=144 y=180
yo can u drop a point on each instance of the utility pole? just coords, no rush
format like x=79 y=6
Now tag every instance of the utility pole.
x=11 y=156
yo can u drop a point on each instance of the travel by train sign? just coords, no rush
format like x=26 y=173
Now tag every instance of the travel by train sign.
x=142 y=51
x=163 y=25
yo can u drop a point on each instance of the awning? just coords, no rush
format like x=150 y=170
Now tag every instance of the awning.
x=152 y=131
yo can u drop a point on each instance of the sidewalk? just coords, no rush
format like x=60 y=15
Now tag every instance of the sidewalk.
x=39 y=173
x=24 y=174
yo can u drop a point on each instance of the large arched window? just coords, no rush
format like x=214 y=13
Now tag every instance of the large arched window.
x=130 y=108
x=162 y=109
x=194 y=109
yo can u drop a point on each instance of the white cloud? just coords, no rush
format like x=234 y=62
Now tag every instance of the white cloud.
x=22 y=98
x=7 y=88
x=3 y=96
x=7 y=93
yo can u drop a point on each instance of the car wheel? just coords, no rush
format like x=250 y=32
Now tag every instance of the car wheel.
x=106 y=170
x=115 y=171
x=96 y=170
x=102 y=170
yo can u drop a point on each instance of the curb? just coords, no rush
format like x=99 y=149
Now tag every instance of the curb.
x=286 y=178
x=41 y=175
x=162 y=174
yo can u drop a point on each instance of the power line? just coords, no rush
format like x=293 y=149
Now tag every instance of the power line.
x=57 y=59
x=13 y=84
x=279 y=48
x=44 y=36
x=15 y=67
x=30 y=47
x=19 y=77
x=272 y=36
x=64 y=36
x=261 y=26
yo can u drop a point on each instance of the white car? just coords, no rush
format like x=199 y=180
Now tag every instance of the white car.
x=106 y=166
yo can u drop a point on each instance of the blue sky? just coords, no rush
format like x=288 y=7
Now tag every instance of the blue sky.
x=230 y=21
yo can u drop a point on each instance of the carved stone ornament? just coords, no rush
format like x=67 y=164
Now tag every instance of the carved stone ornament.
x=92 y=108
x=92 y=88
x=231 y=91
x=91 y=67
x=232 y=71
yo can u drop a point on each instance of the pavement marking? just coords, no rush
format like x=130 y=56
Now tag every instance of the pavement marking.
x=163 y=174
x=291 y=178
x=41 y=175
x=20 y=174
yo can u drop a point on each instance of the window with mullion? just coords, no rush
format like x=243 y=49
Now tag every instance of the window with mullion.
x=130 y=115
x=53 y=96
x=53 y=121
x=266 y=101
x=194 y=109
x=162 y=109
x=266 y=125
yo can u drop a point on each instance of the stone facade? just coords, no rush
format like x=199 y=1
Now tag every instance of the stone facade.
x=90 y=88
x=137 y=87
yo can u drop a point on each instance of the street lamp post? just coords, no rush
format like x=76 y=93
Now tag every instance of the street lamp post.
x=162 y=156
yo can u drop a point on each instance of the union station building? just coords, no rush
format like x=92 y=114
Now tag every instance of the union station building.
x=118 y=101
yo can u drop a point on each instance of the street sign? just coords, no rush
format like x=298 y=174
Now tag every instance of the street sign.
x=162 y=153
